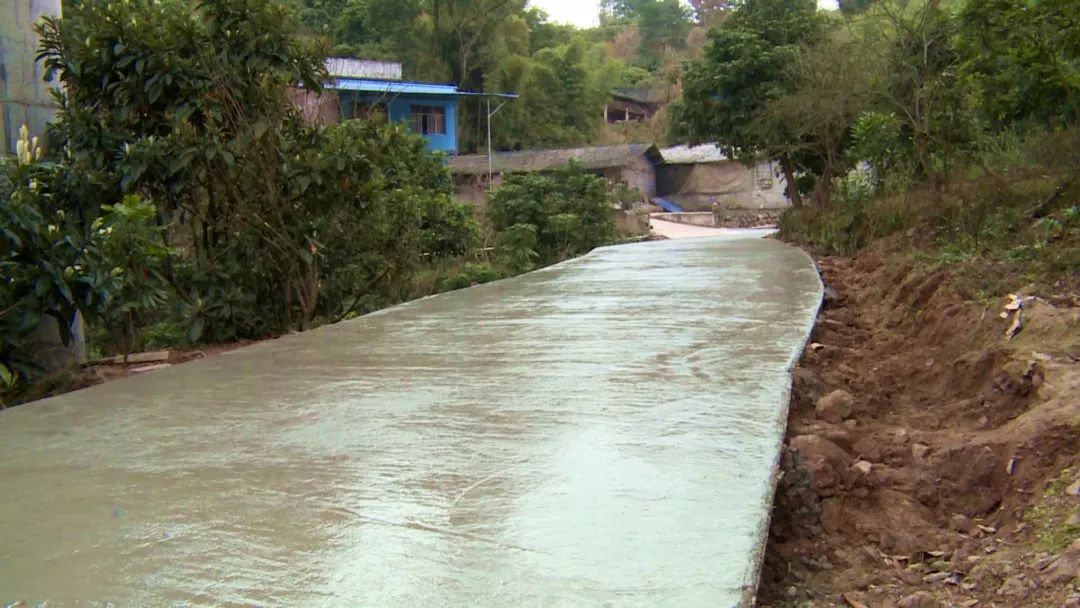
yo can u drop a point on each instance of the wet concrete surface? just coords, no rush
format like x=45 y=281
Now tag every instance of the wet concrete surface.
x=600 y=433
x=677 y=230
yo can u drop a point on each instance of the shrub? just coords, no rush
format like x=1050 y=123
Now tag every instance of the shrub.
x=569 y=212
x=471 y=274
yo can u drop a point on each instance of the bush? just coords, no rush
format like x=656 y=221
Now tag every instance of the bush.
x=569 y=212
x=132 y=249
x=51 y=262
x=471 y=274
x=517 y=249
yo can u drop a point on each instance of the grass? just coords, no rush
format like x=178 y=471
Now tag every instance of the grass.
x=1049 y=517
x=982 y=230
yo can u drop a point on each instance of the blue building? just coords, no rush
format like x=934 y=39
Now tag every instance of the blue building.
x=427 y=109
x=370 y=89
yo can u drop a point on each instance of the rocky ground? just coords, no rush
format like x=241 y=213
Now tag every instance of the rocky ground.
x=930 y=460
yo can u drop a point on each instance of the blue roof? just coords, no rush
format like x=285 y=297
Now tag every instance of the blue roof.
x=392 y=86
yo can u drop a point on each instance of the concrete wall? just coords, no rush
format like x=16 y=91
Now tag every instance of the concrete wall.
x=697 y=187
x=473 y=188
x=695 y=218
x=316 y=109
x=640 y=174
x=24 y=97
x=631 y=222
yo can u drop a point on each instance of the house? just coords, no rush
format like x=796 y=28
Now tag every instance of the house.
x=698 y=178
x=633 y=165
x=637 y=105
x=363 y=88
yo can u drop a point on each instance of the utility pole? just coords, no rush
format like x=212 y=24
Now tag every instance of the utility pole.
x=490 y=113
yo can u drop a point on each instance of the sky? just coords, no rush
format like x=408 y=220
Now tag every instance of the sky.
x=582 y=13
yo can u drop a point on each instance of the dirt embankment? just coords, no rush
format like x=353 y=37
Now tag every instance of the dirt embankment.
x=930 y=461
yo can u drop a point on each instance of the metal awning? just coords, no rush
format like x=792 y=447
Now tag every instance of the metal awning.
x=398 y=87
x=392 y=87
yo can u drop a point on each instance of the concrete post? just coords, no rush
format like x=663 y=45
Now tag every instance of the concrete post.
x=25 y=100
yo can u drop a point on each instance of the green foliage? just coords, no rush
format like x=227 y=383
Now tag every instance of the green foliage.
x=51 y=262
x=562 y=89
x=745 y=67
x=568 y=211
x=1025 y=56
x=563 y=74
x=876 y=139
x=742 y=70
x=260 y=222
x=663 y=24
x=849 y=224
x=923 y=84
x=470 y=274
x=517 y=248
x=854 y=7
x=132 y=249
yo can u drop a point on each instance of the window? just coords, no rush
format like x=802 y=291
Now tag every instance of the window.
x=376 y=112
x=428 y=120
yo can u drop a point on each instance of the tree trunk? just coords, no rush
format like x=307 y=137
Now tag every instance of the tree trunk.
x=789 y=180
x=822 y=192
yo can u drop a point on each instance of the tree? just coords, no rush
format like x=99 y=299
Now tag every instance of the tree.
x=712 y=12
x=663 y=25
x=832 y=88
x=743 y=69
x=557 y=216
x=51 y=262
x=922 y=81
x=1025 y=56
x=854 y=7
x=275 y=222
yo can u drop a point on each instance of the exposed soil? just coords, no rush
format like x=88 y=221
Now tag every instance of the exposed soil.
x=942 y=474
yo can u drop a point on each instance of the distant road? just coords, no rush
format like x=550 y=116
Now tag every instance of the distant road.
x=676 y=230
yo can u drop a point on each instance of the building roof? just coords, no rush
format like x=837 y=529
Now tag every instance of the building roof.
x=545 y=160
x=643 y=95
x=347 y=67
x=391 y=87
x=692 y=155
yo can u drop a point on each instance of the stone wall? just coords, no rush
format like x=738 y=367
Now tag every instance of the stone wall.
x=696 y=218
x=747 y=218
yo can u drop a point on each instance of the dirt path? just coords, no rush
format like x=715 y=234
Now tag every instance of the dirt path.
x=931 y=462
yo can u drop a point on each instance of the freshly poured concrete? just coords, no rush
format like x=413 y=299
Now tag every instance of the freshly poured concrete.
x=601 y=433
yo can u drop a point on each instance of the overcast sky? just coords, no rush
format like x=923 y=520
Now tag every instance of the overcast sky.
x=583 y=13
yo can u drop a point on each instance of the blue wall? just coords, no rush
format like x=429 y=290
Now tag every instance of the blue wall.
x=399 y=106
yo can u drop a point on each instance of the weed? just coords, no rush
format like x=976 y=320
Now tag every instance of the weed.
x=1050 y=515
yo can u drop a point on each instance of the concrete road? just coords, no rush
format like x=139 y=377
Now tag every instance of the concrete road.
x=676 y=230
x=600 y=433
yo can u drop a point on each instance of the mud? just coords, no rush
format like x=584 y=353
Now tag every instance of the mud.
x=943 y=484
x=603 y=432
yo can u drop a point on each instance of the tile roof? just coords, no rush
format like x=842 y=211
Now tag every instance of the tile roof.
x=393 y=87
x=690 y=155
x=545 y=160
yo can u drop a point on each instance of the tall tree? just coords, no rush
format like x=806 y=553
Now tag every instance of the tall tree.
x=1026 y=56
x=833 y=86
x=743 y=69
x=923 y=83
x=712 y=12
